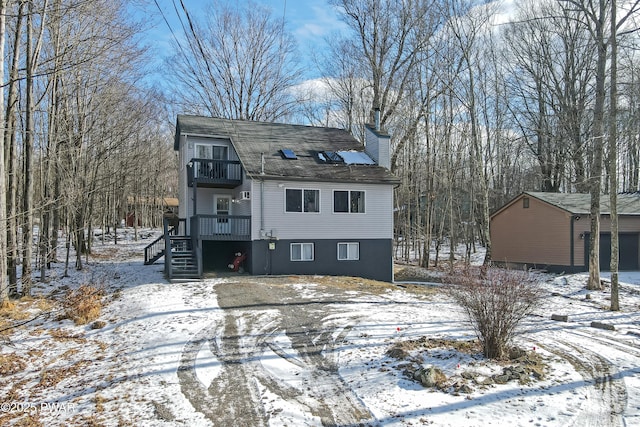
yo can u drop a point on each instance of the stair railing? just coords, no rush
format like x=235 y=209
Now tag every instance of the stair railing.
x=167 y=249
x=196 y=243
x=153 y=249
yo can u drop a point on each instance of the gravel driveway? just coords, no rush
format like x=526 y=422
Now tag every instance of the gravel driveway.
x=256 y=313
x=277 y=343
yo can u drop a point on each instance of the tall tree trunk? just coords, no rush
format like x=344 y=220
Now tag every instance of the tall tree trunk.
x=595 y=180
x=4 y=288
x=27 y=206
x=11 y=156
x=613 y=160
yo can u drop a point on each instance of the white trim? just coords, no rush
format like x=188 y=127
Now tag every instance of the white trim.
x=302 y=245
x=333 y=202
x=349 y=254
x=221 y=196
x=303 y=190
x=197 y=144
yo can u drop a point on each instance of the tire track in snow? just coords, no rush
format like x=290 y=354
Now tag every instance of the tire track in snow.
x=232 y=395
x=606 y=393
x=322 y=389
x=247 y=338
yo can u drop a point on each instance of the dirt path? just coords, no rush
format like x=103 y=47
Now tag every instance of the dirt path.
x=257 y=317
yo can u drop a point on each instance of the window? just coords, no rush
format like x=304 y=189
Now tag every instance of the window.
x=213 y=152
x=349 y=251
x=210 y=166
x=525 y=202
x=298 y=200
x=348 y=201
x=288 y=154
x=302 y=252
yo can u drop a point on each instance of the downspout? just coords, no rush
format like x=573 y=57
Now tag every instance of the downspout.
x=267 y=267
x=196 y=243
x=571 y=249
x=262 y=196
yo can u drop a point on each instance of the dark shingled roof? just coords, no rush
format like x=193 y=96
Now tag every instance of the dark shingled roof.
x=251 y=139
x=580 y=204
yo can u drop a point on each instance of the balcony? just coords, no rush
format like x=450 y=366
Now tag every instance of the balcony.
x=221 y=227
x=214 y=173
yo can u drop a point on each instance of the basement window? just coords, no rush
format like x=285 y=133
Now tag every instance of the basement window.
x=525 y=202
x=348 y=251
x=301 y=252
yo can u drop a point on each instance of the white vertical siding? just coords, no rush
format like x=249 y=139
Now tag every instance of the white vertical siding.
x=375 y=223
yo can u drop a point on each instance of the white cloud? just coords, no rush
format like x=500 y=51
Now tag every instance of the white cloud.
x=320 y=20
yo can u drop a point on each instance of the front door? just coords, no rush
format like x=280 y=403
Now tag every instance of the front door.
x=222 y=208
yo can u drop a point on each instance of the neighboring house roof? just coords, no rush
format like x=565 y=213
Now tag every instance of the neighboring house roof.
x=170 y=202
x=580 y=203
x=252 y=140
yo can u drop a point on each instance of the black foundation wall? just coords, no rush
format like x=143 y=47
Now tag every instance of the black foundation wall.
x=274 y=257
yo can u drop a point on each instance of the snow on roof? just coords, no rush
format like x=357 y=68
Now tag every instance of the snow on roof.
x=356 y=158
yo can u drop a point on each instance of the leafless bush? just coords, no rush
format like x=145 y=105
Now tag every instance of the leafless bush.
x=83 y=304
x=495 y=301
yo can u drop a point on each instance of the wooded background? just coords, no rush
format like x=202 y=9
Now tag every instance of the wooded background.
x=482 y=102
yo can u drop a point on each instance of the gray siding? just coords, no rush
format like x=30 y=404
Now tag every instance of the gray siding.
x=378 y=146
x=375 y=223
x=183 y=208
x=206 y=199
x=189 y=147
x=205 y=196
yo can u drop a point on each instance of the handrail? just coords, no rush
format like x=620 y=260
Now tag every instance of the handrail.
x=210 y=170
x=153 y=249
x=221 y=227
x=167 y=249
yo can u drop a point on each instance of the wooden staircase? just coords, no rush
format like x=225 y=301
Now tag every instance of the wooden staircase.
x=154 y=251
x=181 y=260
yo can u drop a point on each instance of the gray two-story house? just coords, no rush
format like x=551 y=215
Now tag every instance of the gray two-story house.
x=291 y=199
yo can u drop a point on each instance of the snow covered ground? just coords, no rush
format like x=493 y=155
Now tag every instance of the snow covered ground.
x=132 y=370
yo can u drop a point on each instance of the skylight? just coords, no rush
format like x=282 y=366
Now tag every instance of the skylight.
x=330 y=157
x=288 y=154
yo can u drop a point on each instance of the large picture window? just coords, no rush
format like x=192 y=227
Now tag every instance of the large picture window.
x=348 y=251
x=348 y=201
x=299 y=200
x=301 y=251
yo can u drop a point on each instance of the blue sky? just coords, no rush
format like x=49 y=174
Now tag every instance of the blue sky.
x=309 y=21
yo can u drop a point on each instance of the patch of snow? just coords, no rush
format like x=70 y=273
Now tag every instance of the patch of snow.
x=128 y=369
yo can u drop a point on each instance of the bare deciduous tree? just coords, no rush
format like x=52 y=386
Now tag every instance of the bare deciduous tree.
x=4 y=286
x=235 y=62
